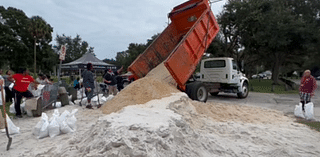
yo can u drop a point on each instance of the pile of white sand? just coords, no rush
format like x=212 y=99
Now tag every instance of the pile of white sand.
x=172 y=127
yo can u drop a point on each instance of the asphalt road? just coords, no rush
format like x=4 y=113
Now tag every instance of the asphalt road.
x=281 y=102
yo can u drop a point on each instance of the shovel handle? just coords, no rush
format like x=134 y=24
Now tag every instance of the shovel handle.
x=5 y=117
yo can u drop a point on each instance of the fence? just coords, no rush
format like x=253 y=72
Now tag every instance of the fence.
x=49 y=94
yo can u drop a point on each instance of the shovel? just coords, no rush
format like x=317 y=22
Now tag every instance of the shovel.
x=5 y=119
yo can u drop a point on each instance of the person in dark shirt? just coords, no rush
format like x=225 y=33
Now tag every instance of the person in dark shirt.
x=119 y=83
x=110 y=79
x=88 y=83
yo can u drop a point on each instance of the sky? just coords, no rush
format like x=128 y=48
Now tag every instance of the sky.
x=108 y=26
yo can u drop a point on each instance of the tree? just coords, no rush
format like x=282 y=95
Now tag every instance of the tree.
x=76 y=48
x=14 y=38
x=125 y=58
x=41 y=33
x=272 y=30
x=17 y=43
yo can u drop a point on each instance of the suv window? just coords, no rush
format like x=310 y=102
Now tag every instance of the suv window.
x=215 y=64
x=234 y=65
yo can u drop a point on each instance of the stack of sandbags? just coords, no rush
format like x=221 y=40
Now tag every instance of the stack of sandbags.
x=57 y=124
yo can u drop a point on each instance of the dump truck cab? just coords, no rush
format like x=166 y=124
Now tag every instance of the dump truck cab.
x=223 y=75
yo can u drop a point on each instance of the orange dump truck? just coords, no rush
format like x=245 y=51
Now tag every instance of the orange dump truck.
x=181 y=46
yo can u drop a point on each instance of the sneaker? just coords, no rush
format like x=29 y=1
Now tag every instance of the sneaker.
x=89 y=107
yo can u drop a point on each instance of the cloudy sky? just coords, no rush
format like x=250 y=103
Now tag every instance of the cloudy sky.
x=107 y=25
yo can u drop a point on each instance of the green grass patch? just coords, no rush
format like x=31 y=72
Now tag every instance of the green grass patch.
x=265 y=86
x=7 y=110
x=312 y=125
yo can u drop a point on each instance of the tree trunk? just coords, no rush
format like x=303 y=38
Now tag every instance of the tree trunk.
x=276 y=68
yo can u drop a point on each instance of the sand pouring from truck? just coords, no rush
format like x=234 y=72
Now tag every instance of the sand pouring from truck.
x=181 y=47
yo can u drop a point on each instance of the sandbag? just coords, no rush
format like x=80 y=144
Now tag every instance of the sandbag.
x=44 y=132
x=71 y=103
x=11 y=86
x=309 y=113
x=84 y=102
x=12 y=109
x=58 y=104
x=65 y=128
x=37 y=128
x=54 y=128
x=71 y=120
x=55 y=114
x=77 y=102
x=298 y=111
x=11 y=127
x=63 y=116
x=70 y=98
x=110 y=97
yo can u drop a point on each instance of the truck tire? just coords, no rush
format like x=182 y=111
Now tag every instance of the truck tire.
x=245 y=90
x=214 y=93
x=197 y=91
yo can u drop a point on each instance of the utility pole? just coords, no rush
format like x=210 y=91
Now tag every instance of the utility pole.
x=35 y=58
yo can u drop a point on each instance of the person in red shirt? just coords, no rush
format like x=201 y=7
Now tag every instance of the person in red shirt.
x=20 y=89
x=307 y=88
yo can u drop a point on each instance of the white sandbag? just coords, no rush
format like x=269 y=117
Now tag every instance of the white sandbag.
x=298 y=111
x=103 y=100
x=54 y=128
x=65 y=128
x=40 y=87
x=70 y=98
x=55 y=114
x=71 y=120
x=12 y=109
x=58 y=104
x=11 y=86
x=110 y=97
x=37 y=128
x=71 y=103
x=309 y=113
x=63 y=116
x=77 y=102
x=4 y=95
x=44 y=132
x=84 y=102
x=11 y=127
x=95 y=98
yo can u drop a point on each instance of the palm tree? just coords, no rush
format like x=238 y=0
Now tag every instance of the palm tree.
x=39 y=30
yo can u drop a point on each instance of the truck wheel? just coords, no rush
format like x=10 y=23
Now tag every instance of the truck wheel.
x=197 y=91
x=214 y=93
x=245 y=90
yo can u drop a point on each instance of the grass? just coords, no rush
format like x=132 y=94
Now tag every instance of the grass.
x=311 y=124
x=264 y=86
x=7 y=110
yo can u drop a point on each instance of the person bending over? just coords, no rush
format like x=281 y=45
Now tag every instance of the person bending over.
x=20 y=89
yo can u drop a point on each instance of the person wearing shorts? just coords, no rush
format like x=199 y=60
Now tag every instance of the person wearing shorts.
x=308 y=85
x=88 y=84
x=20 y=89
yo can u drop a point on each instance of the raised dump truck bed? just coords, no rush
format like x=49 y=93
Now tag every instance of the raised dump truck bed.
x=182 y=44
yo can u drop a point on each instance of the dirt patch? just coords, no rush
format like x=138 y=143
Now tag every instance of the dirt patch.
x=246 y=114
x=155 y=85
